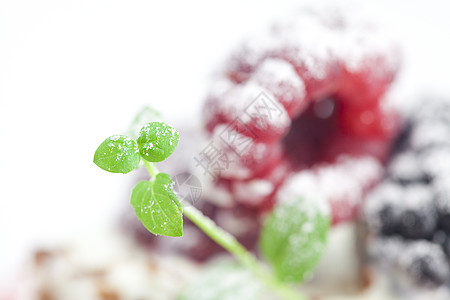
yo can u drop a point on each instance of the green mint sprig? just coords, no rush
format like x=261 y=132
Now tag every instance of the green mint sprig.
x=157 y=141
x=154 y=201
x=293 y=239
x=291 y=250
x=157 y=206
x=117 y=154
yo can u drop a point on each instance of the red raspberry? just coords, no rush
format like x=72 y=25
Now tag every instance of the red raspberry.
x=329 y=74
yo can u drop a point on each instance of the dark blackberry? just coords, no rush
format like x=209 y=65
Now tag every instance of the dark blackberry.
x=425 y=263
x=389 y=220
x=417 y=224
x=444 y=221
x=443 y=203
x=442 y=238
x=413 y=225
x=383 y=210
x=418 y=218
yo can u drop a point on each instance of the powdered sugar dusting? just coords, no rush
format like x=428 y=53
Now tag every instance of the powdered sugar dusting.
x=306 y=42
x=365 y=39
x=419 y=197
x=317 y=38
x=345 y=182
x=430 y=133
x=348 y=178
x=304 y=185
x=279 y=77
x=241 y=98
x=253 y=190
x=406 y=166
x=436 y=161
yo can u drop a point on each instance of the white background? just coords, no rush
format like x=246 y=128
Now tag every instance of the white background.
x=75 y=72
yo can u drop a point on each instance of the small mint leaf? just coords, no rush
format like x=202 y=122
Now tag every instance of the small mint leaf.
x=224 y=281
x=157 y=141
x=157 y=206
x=293 y=238
x=117 y=154
x=145 y=115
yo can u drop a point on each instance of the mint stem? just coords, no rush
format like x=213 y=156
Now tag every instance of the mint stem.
x=151 y=168
x=229 y=243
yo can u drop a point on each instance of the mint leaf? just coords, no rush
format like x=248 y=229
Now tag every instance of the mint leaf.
x=223 y=281
x=157 y=206
x=117 y=154
x=157 y=141
x=145 y=115
x=293 y=238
